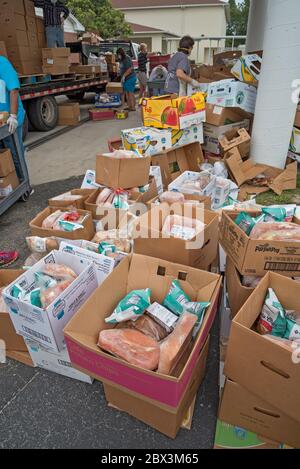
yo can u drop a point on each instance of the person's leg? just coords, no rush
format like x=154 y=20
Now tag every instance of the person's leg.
x=60 y=36
x=51 y=37
x=8 y=143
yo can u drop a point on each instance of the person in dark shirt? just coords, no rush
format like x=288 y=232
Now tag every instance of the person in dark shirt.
x=142 y=73
x=55 y=13
x=128 y=77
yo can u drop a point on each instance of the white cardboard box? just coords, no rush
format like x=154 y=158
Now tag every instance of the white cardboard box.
x=147 y=140
x=46 y=325
x=231 y=93
x=192 y=176
x=189 y=135
x=295 y=140
x=212 y=134
x=156 y=173
x=58 y=362
x=89 y=181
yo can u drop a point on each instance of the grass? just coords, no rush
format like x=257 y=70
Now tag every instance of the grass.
x=287 y=197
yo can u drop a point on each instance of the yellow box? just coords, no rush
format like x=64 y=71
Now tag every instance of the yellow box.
x=171 y=112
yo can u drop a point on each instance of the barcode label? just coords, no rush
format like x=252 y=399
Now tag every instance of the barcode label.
x=282 y=266
x=36 y=334
x=64 y=363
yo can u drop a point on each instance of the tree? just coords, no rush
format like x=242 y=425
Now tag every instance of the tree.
x=100 y=17
x=239 y=12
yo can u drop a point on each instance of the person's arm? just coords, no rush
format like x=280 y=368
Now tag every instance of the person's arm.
x=66 y=12
x=39 y=3
x=128 y=72
x=14 y=105
x=183 y=76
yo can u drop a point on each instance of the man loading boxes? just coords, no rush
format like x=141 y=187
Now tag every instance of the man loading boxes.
x=54 y=15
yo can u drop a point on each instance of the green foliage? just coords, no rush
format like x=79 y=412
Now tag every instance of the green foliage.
x=100 y=17
x=239 y=13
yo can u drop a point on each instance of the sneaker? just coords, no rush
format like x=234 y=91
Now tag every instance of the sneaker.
x=8 y=257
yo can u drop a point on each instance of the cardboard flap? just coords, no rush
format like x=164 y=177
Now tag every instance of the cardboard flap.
x=240 y=170
x=286 y=180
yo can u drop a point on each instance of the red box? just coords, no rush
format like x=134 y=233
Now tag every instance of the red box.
x=101 y=114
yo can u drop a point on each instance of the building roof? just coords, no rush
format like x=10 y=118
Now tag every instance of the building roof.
x=124 y=4
x=139 y=28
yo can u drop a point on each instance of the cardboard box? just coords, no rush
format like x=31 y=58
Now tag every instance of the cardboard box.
x=3 y=50
x=172 y=112
x=29 y=8
x=249 y=354
x=12 y=20
x=295 y=140
x=16 y=5
x=40 y=26
x=226 y=58
x=30 y=67
x=148 y=141
x=8 y=184
x=31 y=24
x=36 y=54
x=190 y=135
x=42 y=42
x=156 y=173
x=149 y=240
x=230 y=93
x=122 y=173
x=101 y=114
x=114 y=87
x=213 y=135
x=32 y=37
x=6 y=163
x=58 y=362
x=255 y=257
x=220 y=116
x=87 y=232
x=55 y=69
x=7 y=330
x=13 y=37
x=247 y=68
x=139 y=272
x=63 y=202
x=19 y=54
x=45 y=326
x=236 y=138
x=276 y=179
x=85 y=69
x=165 y=419
x=192 y=176
x=22 y=357
x=243 y=409
x=234 y=437
x=69 y=114
x=75 y=58
x=237 y=293
x=174 y=162
x=56 y=53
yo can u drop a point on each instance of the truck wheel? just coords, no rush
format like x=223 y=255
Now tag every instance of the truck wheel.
x=77 y=95
x=43 y=113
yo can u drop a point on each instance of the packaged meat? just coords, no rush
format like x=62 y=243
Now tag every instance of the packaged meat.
x=103 y=196
x=132 y=346
x=41 y=245
x=68 y=226
x=246 y=223
x=163 y=316
x=194 y=186
x=150 y=327
x=131 y=307
x=250 y=281
x=289 y=232
x=44 y=281
x=171 y=348
x=59 y=272
x=33 y=296
x=182 y=227
x=172 y=197
x=272 y=319
x=113 y=237
x=51 y=219
x=50 y=294
x=279 y=213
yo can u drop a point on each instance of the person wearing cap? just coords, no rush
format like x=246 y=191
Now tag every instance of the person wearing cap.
x=179 y=69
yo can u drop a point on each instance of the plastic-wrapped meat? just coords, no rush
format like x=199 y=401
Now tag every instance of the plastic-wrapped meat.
x=132 y=346
x=172 y=197
x=51 y=219
x=182 y=227
x=147 y=326
x=170 y=348
x=103 y=196
x=112 y=237
x=250 y=281
x=59 y=272
x=50 y=294
x=276 y=232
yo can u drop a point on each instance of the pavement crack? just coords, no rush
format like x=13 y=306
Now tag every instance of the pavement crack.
x=18 y=393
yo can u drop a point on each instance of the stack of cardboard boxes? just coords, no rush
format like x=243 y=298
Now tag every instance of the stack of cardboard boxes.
x=56 y=61
x=8 y=177
x=23 y=34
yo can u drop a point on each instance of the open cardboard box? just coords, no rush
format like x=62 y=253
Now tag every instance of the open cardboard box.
x=243 y=171
x=220 y=116
x=243 y=409
x=203 y=199
x=13 y=341
x=237 y=293
x=224 y=58
x=266 y=369
x=122 y=173
x=255 y=257
x=174 y=162
x=149 y=239
x=139 y=272
x=165 y=419
x=236 y=138
x=87 y=232
x=213 y=134
x=65 y=203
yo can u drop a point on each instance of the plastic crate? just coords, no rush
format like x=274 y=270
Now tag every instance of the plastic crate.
x=114 y=101
x=101 y=114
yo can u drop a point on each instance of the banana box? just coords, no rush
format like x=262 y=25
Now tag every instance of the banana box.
x=186 y=136
x=247 y=68
x=171 y=112
x=148 y=141
x=295 y=141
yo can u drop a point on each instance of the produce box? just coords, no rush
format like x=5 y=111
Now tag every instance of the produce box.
x=148 y=141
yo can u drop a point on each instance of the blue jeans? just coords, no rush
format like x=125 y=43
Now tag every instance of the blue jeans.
x=8 y=143
x=55 y=36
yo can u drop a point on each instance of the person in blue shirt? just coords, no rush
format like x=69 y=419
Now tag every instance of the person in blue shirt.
x=128 y=77
x=10 y=102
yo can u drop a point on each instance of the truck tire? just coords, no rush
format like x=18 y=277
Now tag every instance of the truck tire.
x=43 y=113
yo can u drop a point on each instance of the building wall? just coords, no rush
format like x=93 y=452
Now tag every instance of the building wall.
x=195 y=21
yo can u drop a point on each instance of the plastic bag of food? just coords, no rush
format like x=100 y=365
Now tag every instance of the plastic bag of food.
x=179 y=302
x=279 y=213
x=292 y=330
x=113 y=237
x=172 y=197
x=50 y=294
x=250 y=281
x=132 y=346
x=182 y=227
x=289 y=232
x=162 y=316
x=41 y=245
x=59 y=272
x=49 y=222
x=247 y=223
x=33 y=259
x=170 y=348
x=69 y=226
x=131 y=307
x=150 y=327
x=33 y=297
x=272 y=319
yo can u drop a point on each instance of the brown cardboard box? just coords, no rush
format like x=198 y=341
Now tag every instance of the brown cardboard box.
x=9 y=181
x=56 y=62
x=22 y=357
x=55 y=53
x=12 y=340
x=165 y=419
x=122 y=173
x=12 y=20
x=29 y=67
x=40 y=26
x=237 y=293
x=16 y=5
x=265 y=368
x=6 y=163
x=236 y=138
x=87 y=232
x=175 y=161
x=277 y=180
x=42 y=43
x=31 y=24
x=19 y=53
x=74 y=58
x=55 y=69
x=255 y=257
x=219 y=116
x=29 y=8
x=223 y=58
x=79 y=203
x=3 y=50
x=206 y=201
x=36 y=54
x=243 y=409
x=32 y=38
x=149 y=240
x=13 y=37
x=88 y=69
x=113 y=87
x=136 y=272
x=69 y=114
x=110 y=58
